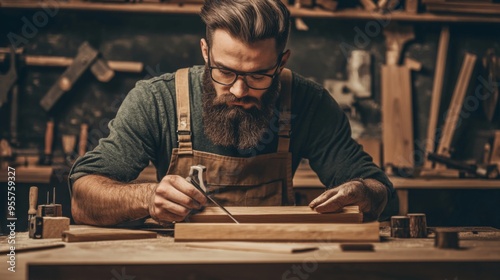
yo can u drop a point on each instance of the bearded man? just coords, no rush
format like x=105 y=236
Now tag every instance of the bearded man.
x=244 y=116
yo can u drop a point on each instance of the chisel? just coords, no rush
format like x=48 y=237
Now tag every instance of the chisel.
x=196 y=178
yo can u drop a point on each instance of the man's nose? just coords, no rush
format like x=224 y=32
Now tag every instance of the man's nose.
x=239 y=88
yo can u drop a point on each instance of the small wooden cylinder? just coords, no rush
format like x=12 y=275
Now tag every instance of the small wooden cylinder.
x=400 y=227
x=446 y=239
x=418 y=225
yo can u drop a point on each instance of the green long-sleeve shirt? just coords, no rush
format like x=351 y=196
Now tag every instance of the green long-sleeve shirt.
x=144 y=130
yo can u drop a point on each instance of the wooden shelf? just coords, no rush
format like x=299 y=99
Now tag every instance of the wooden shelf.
x=192 y=9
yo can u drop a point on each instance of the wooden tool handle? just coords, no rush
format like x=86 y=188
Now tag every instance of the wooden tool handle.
x=33 y=200
x=59 y=61
x=49 y=137
x=82 y=144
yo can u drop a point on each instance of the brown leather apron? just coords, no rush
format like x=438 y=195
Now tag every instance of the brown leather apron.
x=262 y=180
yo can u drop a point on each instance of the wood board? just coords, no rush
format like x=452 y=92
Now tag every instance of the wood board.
x=437 y=89
x=100 y=234
x=365 y=232
x=456 y=104
x=276 y=214
x=397 y=117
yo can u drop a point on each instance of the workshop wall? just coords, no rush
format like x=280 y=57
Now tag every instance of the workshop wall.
x=165 y=43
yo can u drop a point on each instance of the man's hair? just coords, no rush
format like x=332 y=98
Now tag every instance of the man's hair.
x=248 y=20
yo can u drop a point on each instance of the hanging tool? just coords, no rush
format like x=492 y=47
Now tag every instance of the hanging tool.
x=197 y=178
x=86 y=57
x=82 y=144
x=489 y=171
x=46 y=158
x=8 y=84
x=33 y=198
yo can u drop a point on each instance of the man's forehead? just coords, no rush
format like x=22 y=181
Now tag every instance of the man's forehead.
x=227 y=49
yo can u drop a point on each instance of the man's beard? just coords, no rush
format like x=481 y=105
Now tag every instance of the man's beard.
x=231 y=125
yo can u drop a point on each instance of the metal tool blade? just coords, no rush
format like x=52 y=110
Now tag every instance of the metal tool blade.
x=196 y=178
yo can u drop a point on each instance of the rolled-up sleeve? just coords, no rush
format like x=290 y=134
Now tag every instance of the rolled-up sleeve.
x=132 y=141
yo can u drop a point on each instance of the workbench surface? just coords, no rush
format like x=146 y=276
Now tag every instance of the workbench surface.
x=478 y=258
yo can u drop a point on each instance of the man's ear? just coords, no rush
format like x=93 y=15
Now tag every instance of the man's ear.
x=284 y=59
x=204 y=49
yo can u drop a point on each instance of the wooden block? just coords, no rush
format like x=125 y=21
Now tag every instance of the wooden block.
x=48 y=227
x=276 y=214
x=254 y=246
x=446 y=239
x=418 y=225
x=366 y=232
x=411 y=6
x=456 y=105
x=437 y=89
x=397 y=117
x=99 y=234
x=400 y=227
x=400 y=221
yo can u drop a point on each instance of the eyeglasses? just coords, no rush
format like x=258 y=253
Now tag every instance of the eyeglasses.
x=254 y=80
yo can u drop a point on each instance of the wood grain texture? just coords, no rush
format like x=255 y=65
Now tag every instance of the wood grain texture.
x=53 y=227
x=456 y=104
x=277 y=214
x=367 y=232
x=418 y=225
x=397 y=117
x=437 y=90
x=254 y=247
x=99 y=234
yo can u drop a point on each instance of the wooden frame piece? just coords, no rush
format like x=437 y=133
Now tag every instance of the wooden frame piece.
x=276 y=214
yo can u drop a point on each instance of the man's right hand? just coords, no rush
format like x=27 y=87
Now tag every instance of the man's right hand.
x=173 y=199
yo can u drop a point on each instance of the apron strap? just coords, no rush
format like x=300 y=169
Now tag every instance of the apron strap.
x=285 y=125
x=183 y=111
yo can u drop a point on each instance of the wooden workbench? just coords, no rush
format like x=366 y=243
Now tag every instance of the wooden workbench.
x=162 y=258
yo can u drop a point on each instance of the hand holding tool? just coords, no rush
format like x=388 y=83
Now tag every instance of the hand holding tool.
x=196 y=177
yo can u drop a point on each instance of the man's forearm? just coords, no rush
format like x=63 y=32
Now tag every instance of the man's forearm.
x=98 y=200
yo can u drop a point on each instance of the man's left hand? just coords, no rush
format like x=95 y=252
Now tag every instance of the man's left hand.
x=369 y=194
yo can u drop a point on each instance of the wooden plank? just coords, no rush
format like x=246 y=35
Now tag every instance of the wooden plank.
x=254 y=247
x=366 y=232
x=455 y=183
x=194 y=9
x=277 y=214
x=397 y=117
x=437 y=89
x=99 y=234
x=478 y=8
x=456 y=104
